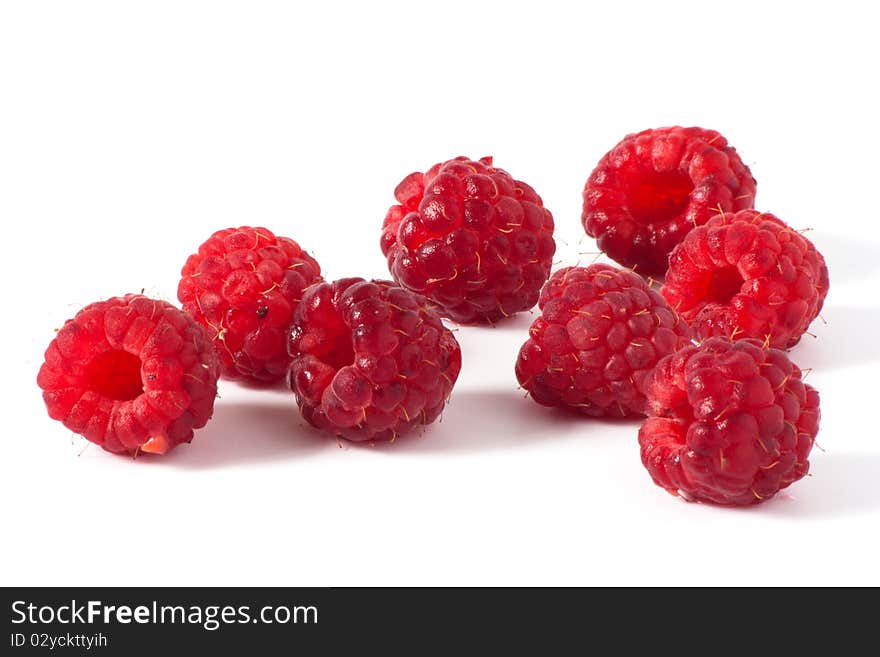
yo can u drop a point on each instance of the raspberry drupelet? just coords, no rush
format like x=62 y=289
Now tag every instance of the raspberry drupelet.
x=244 y=285
x=729 y=422
x=747 y=275
x=470 y=238
x=656 y=185
x=131 y=374
x=600 y=333
x=371 y=360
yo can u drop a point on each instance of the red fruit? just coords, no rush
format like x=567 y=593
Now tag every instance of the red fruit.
x=131 y=374
x=728 y=422
x=371 y=361
x=244 y=285
x=747 y=275
x=654 y=186
x=470 y=238
x=600 y=333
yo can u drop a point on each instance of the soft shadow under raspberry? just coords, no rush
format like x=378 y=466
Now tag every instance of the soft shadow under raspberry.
x=840 y=484
x=518 y=322
x=848 y=259
x=845 y=336
x=245 y=432
x=482 y=420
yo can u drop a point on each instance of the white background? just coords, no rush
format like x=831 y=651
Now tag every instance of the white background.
x=130 y=131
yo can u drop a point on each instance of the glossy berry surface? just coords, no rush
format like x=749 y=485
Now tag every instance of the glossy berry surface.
x=600 y=333
x=470 y=238
x=654 y=186
x=371 y=360
x=131 y=374
x=244 y=285
x=729 y=422
x=747 y=275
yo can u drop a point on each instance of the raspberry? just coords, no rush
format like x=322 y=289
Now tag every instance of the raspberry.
x=371 y=360
x=244 y=285
x=600 y=333
x=654 y=186
x=729 y=422
x=469 y=237
x=131 y=374
x=747 y=275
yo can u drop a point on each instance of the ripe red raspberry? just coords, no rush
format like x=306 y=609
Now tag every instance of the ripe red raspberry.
x=654 y=186
x=728 y=422
x=244 y=285
x=131 y=374
x=600 y=333
x=371 y=361
x=747 y=275
x=469 y=237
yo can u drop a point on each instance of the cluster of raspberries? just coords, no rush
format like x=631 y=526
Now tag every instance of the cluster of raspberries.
x=728 y=417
